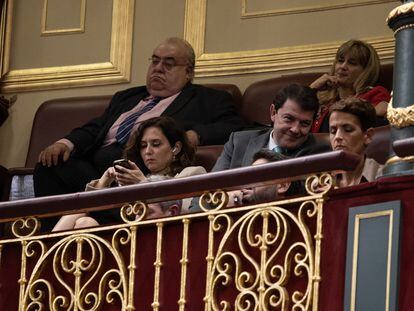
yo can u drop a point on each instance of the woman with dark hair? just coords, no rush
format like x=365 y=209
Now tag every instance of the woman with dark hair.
x=159 y=147
x=350 y=129
x=354 y=72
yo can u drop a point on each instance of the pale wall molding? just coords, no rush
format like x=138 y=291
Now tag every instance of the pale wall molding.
x=49 y=32
x=116 y=70
x=265 y=60
x=307 y=9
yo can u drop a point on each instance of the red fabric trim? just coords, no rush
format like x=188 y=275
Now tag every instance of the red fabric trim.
x=375 y=96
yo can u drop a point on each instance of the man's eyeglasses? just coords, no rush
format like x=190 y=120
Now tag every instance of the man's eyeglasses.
x=167 y=63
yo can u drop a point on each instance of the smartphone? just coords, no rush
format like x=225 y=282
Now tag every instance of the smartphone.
x=121 y=162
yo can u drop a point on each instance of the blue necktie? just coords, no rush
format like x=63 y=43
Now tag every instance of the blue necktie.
x=126 y=126
x=278 y=150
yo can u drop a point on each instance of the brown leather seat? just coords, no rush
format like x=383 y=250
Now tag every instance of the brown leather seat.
x=258 y=97
x=67 y=114
x=71 y=112
x=378 y=149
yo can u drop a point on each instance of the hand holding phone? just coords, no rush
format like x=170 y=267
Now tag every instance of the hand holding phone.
x=121 y=162
x=133 y=176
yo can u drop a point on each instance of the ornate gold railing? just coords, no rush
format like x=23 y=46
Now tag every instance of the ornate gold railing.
x=258 y=257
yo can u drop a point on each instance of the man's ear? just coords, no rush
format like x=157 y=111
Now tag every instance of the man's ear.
x=369 y=134
x=273 y=112
x=174 y=210
x=282 y=188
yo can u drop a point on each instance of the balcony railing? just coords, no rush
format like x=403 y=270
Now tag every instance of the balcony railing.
x=256 y=257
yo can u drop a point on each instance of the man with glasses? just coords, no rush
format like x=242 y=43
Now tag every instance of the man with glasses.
x=207 y=115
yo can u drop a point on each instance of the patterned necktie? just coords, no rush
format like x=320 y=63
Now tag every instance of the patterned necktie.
x=126 y=126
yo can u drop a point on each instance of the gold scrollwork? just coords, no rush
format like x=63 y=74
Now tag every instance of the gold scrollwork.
x=25 y=227
x=400 y=117
x=80 y=280
x=131 y=213
x=263 y=284
x=315 y=184
x=397 y=159
x=400 y=10
x=213 y=201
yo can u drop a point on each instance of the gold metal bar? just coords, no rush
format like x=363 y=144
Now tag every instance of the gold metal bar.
x=263 y=257
x=22 y=281
x=184 y=262
x=158 y=264
x=318 y=242
x=209 y=260
x=78 y=272
x=131 y=268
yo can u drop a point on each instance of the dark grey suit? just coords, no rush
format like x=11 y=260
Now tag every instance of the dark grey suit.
x=241 y=147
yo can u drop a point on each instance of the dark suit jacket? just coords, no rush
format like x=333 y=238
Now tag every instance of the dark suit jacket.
x=242 y=146
x=209 y=112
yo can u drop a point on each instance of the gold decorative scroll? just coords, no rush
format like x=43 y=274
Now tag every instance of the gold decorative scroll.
x=71 y=274
x=261 y=281
x=403 y=9
x=258 y=257
x=400 y=117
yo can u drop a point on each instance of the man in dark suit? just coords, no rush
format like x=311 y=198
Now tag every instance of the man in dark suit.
x=208 y=116
x=292 y=114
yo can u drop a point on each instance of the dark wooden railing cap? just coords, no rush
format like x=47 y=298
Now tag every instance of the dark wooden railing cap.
x=182 y=187
x=404 y=147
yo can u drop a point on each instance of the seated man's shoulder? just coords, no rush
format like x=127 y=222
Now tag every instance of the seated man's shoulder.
x=212 y=89
x=131 y=91
x=251 y=133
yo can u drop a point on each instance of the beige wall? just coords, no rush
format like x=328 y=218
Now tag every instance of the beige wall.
x=225 y=41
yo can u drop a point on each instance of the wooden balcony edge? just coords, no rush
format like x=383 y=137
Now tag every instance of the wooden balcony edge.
x=291 y=169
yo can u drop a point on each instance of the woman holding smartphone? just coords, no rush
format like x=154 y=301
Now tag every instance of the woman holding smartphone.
x=159 y=147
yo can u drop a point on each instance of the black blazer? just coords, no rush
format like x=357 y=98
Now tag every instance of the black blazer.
x=211 y=113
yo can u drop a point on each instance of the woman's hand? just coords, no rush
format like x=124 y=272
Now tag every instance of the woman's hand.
x=239 y=197
x=235 y=198
x=325 y=82
x=125 y=176
x=107 y=178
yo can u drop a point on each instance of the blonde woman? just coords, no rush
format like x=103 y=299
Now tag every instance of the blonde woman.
x=354 y=72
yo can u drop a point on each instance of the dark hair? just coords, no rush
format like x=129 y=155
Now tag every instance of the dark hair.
x=297 y=186
x=269 y=155
x=173 y=132
x=360 y=108
x=304 y=96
